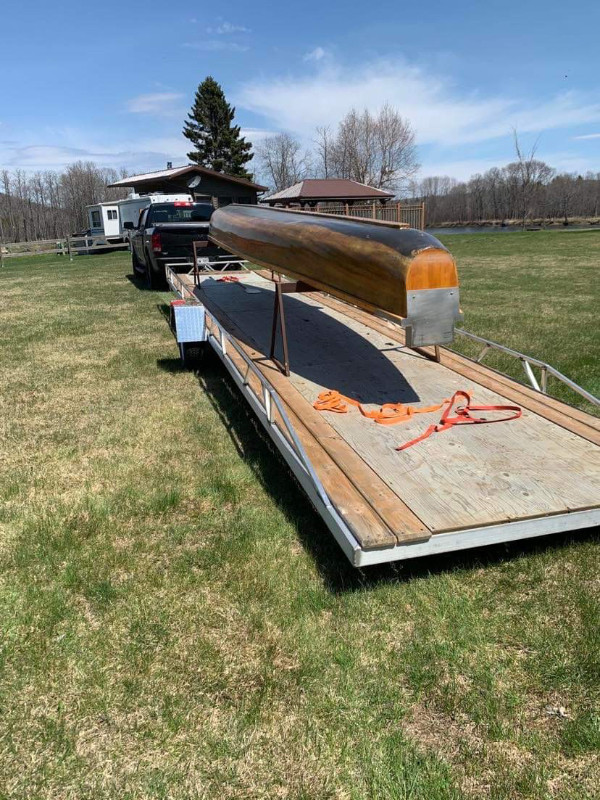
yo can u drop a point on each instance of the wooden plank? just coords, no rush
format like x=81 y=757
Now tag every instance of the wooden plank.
x=395 y=514
x=362 y=519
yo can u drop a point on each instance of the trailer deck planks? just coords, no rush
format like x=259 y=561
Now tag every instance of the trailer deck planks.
x=462 y=488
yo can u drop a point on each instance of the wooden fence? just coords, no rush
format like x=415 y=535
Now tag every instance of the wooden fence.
x=69 y=246
x=413 y=215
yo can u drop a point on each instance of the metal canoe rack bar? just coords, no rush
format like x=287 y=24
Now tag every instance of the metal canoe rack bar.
x=200 y=264
x=528 y=362
x=281 y=288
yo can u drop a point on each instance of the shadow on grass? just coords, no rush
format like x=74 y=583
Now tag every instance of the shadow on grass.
x=255 y=447
x=172 y=365
x=165 y=310
x=139 y=282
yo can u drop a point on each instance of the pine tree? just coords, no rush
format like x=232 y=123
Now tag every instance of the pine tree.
x=217 y=142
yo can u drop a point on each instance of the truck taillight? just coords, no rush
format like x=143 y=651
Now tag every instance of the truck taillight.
x=156 y=243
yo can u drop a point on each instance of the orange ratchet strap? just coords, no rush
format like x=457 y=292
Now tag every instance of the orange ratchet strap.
x=394 y=413
x=463 y=417
x=388 y=414
x=228 y=279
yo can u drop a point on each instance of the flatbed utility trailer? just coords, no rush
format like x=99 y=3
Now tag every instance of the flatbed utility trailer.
x=471 y=486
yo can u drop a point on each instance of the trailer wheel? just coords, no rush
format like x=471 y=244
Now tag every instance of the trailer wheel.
x=192 y=354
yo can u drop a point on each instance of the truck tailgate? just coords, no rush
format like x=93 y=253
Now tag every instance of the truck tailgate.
x=176 y=238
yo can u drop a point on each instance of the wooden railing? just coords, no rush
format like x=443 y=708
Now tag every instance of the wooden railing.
x=411 y=215
x=69 y=246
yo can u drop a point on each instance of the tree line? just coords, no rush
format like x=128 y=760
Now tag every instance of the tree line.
x=380 y=150
x=509 y=193
x=50 y=204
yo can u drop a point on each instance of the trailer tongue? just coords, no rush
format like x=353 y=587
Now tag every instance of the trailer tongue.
x=474 y=485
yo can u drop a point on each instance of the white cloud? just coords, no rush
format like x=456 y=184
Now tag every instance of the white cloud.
x=440 y=113
x=214 y=45
x=256 y=134
x=588 y=136
x=318 y=54
x=225 y=28
x=156 y=103
x=40 y=150
x=53 y=148
x=566 y=161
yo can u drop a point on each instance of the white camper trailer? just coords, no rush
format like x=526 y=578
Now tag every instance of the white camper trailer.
x=103 y=220
x=108 y=219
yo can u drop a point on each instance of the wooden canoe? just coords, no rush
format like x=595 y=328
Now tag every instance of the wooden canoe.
x=382 y=267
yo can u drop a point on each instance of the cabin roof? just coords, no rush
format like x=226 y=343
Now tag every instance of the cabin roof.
x=328 y=189
x=165 y=174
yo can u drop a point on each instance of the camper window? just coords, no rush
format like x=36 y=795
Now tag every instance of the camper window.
x=96 y=219
x=112 y=214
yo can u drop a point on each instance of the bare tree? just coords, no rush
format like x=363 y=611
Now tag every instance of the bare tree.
x=281 y=160
x=376 y=149
x=396 y=159
x=530 y=175
x=562 y=192
x=497 y=196
x=50 y=204
x=324 y=144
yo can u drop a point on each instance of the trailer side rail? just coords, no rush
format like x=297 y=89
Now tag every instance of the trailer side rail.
x=528 y=362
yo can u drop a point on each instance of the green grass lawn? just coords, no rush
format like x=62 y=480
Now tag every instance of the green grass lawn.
x=177 y=622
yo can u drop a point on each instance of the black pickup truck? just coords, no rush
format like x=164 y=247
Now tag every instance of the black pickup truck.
x=165 y=235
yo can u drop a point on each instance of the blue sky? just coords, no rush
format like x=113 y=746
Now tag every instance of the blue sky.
x=112 y=82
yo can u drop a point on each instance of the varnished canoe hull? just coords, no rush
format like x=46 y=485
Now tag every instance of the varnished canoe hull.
x=383 y=267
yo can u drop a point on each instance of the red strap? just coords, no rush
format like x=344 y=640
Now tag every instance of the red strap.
x=463 y=417
x=228 y=279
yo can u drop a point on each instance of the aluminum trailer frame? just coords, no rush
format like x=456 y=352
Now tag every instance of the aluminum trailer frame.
x=221 y=342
